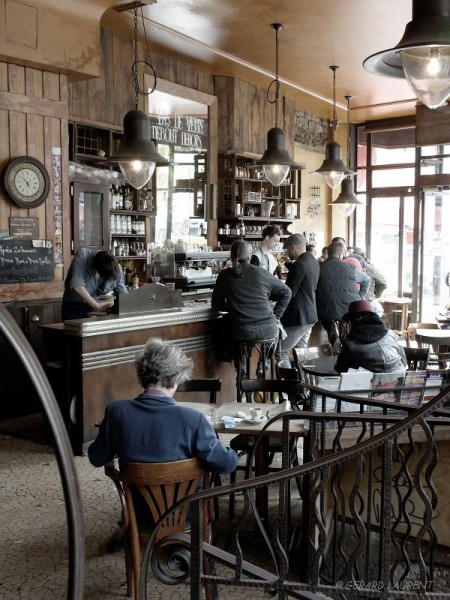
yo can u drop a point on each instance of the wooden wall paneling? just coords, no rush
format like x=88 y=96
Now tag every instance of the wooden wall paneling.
x=120 y=71
x=34 y=85
x=16 y=79
x=65 y=198
x=84 y=98
x=35 y=148
x=35 y=136
x=75 y=100
x=3 y=77
x=288 y=106
x=5 y=203
x=107 y=59
x=17 y=134
x=51 y=85
x=223 y=88
x=205 y=82
x=432 y=125
x=63 y=89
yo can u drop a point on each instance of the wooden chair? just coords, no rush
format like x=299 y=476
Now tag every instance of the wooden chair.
x=213 y=386
x=244 y=444
x=156 y=487
x=417 y=358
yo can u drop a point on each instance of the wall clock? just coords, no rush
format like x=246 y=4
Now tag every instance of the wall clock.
x=26 y=181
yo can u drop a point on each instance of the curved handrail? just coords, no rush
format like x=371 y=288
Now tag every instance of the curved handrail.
x=63 y=451
x=417 y=415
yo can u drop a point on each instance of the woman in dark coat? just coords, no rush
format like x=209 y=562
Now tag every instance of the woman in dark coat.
x=369 y=344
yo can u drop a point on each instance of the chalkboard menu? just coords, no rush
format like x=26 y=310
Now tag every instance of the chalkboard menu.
x=22 y=261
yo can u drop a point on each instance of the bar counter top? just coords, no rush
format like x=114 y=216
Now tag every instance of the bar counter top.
x=90 y=362
x=116 y=323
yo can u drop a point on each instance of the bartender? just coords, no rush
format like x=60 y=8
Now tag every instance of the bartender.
x=92 y=274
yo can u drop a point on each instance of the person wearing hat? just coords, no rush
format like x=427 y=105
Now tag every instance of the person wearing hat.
x=369 y=344
x=301 y=312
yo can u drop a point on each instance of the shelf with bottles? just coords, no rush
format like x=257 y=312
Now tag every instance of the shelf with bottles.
x=241 y=229
x=244 y=192
x=129 y=247
x=125 y=199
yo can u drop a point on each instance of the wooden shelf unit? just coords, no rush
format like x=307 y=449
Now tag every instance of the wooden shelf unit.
x=244 y=194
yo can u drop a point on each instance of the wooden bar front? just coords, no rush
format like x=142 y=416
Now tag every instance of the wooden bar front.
x=90 y=362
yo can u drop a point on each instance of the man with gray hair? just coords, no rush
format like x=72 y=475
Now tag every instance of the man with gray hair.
x=153 y=427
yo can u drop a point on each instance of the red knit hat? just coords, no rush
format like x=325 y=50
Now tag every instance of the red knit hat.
x=359 y=306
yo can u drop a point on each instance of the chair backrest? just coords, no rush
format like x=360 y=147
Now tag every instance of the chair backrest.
x=160 y=485
x=290 y=373
x=417 y=358
x=302 y=355
x=267 y=387
x=202 y=385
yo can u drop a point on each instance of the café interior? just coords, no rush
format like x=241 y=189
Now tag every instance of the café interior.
x=366 y=146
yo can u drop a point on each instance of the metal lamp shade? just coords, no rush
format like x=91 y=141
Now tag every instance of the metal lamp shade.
x=136 y=154
x=332 y=168
x=276 y=160
x=423 y=54
x=347 y=201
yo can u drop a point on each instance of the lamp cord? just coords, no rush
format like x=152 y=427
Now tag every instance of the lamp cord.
x=334 y=68
x=275 y=82
x=348 y=98
x=134 y=69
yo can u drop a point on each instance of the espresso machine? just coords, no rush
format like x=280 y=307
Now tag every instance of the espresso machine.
x=188 y=271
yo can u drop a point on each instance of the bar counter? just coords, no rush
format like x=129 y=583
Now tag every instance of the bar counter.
x=90 y=362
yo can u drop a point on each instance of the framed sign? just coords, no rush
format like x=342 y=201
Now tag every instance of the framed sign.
x=24 y=227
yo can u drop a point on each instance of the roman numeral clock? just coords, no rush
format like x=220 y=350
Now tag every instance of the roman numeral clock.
x=26 y=182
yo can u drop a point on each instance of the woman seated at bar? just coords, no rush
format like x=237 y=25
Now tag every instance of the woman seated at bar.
x=369 y=344
x=245 y=292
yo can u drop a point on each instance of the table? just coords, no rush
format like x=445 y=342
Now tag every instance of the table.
x=319 y=367
x=296 y=429
x=397 y=304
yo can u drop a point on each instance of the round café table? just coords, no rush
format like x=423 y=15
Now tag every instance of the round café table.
x=319 y=367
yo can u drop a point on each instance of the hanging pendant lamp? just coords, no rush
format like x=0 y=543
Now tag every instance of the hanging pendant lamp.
x=333 y=169
x=422 y=56
x=276 y=161
x=137 y=154
x=347 y=200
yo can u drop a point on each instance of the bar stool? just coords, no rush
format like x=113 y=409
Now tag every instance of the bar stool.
x=265 y=349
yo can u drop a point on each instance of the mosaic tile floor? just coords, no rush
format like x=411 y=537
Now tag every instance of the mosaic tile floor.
x=33 y=541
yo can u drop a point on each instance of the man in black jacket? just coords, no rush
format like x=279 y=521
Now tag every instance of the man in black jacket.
x=301 y=313
x=336 y=289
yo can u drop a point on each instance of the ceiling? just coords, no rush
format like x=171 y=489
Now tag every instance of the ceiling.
x=234 y=38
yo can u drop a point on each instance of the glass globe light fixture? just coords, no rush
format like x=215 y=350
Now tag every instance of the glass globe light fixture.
x=347 y=200
x=333 y=169
x=276 y=161
x=423 y=54
x=137 y=154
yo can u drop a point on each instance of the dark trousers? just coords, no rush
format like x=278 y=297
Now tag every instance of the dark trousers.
x=332 y=328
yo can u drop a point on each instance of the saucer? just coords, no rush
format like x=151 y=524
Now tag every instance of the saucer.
x=255 y=421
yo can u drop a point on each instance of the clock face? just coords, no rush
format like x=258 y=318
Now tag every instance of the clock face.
x=27 y=181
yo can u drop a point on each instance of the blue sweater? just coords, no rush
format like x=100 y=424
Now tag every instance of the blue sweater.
x=154 y=428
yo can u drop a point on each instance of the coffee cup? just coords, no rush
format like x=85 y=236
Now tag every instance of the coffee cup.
x=255 y=414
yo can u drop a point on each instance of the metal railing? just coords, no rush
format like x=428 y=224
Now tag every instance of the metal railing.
x=373 y=512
